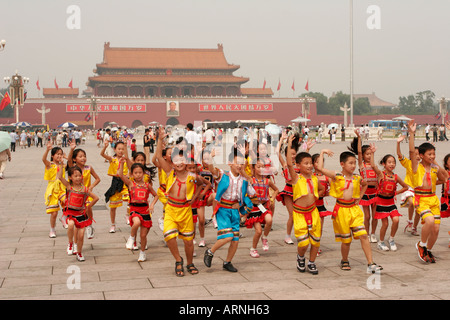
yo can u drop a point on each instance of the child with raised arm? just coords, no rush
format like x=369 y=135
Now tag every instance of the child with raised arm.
x=368 y=174
x=260 y=213
x=407 y=197
x=306 y=217
x=140 y=210
x=78 y=157
x=117 y=191
x=55 y=194
x=178 y=220
x=387 y=190
x=348 y=218
x=76 y=208
x=231 y=201
x=425 y=174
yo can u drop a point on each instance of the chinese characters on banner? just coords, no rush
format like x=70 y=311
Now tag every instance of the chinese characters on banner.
x=107 y=108
x=236 y=107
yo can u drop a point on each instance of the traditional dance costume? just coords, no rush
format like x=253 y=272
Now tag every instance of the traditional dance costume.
x=307 y=226
x=406 y=163
x=386 y=197
x=118 y=190
x=320 y=203
x=55 y=194
x=76 y=206
x=231 y=190
x=261 y=197
x=445 y=208
x=348 y=218
x=425 y=200
x=287 y=191
x=139 y=204
x=370 y=176
x=162 y=177
x=178 y=220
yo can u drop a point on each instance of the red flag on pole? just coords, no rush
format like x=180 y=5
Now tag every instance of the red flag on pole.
x=71 y=84
x=293 y=85
x=279 y=85
x=56 y=85
x=307 y=86
x=264 y=85
x=5 y=101
x=37 y=85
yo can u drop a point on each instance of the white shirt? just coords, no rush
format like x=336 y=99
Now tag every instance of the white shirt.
x=191 y=137
x=233 y=192
x=209 y=134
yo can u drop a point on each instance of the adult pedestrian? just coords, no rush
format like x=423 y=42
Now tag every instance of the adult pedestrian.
x=14 y=139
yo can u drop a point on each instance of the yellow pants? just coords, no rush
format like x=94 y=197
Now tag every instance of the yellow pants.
x=178 y=221
x=307 y=225
x=348 y=219
x=428 y=206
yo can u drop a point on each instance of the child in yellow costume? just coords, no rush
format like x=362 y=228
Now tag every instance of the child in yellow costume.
x=117 y=191
x=178 y=220
x=306 y=217
x=55 y=193
x=348 y=218
x=425 y=175
x=162 y=177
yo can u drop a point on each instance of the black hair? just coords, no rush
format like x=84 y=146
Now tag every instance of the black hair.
x=151 y=170
x=445 y=161
x=233 y=154
x=386 y=157
x=315 y=157
x=178 y=152
x=426 y=146
x=354 y=146
x=74 y=156
x=345 y=155
x=302 y=155
x=54 y=151
x=71 y=171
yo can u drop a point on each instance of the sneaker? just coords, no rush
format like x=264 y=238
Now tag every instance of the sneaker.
x=392 y=245
x=422 y=252
x=80 y=256
x=312 y=268
x=229 y=267
x=301 y=266
x=202 y=243
x=288 y=240
x=63 y=222
x=214 y=222
x=431 y=257
x=135 y=246
x=373 y=238
x=142 y=256
x=52 y=233
x=319 y=252
x=382 y=246
x=414 y=232
x=254 y=253
x=90 y=232
x=112 y=229
x=130 y=242
x=161 y=223
x=70 y=249
x=75 y=249
x=265 y=244
x=207 y=259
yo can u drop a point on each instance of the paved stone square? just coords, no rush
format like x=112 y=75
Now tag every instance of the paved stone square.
x=34 y=266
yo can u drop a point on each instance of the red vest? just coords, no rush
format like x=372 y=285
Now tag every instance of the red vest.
x=387 y=186
x=139 y=194
x=76 y=200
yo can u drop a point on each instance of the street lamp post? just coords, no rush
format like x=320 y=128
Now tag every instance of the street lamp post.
x=16 y=91
x=93 y=101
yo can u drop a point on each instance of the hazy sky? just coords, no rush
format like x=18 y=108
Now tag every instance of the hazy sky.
x=272 y=40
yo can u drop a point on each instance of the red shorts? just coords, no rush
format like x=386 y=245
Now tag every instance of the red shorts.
x=143 y=214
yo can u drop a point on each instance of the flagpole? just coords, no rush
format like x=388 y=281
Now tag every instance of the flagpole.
x=351 y=63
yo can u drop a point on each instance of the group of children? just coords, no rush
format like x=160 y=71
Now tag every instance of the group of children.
x=189 y=182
